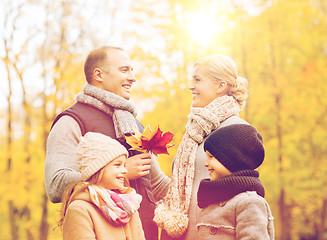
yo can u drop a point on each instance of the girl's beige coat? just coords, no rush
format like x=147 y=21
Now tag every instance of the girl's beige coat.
x=85 y=221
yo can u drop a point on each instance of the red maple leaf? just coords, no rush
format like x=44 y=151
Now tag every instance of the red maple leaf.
x=156 y=142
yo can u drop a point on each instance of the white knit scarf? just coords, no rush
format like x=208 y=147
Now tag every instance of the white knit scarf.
x=171 y=212
x=122 y=111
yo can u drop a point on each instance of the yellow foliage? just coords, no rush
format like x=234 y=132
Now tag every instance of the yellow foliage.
x=280 y=49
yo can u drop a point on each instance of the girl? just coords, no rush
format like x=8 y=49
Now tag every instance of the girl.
x=219 y=94
x=102 y=206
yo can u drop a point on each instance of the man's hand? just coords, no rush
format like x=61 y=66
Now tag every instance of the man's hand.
x=138 y=166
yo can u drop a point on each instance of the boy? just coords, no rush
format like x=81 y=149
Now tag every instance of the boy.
x=232 y=201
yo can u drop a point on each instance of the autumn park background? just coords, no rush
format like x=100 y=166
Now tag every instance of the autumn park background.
x=280 y=46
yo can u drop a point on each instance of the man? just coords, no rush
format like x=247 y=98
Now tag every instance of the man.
x=103 y=107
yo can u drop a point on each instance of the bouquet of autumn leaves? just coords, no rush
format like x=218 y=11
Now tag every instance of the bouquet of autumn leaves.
x=155 y=141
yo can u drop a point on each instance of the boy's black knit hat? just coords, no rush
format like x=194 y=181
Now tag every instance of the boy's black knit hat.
x=238 y=147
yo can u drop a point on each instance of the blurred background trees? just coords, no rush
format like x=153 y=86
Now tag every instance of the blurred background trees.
x=279 y=46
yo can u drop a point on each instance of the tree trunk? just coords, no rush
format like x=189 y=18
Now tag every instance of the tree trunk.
x=44 y=226
x=245 y=72
x=29 y=233
x=285 y=228
x=12 y=220
x=321 y=229
x=11 y=206
x=285 y=233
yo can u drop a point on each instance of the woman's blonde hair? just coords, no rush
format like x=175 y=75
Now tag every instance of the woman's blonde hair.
x=70 y=192
x=221 y=67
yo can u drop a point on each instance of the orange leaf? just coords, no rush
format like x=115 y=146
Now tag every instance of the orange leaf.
x=156 y=141
x=148 y=133
x=135 y=142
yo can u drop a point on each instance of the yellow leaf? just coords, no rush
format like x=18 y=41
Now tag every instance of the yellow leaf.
x=135 y=141
x=148 y=133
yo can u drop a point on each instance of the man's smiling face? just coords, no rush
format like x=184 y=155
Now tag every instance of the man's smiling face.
x=118 y=76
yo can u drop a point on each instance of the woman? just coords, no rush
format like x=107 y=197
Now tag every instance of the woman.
x=218 y=95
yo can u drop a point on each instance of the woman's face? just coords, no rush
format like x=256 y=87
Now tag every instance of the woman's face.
x=114 y=174
x=204 y=88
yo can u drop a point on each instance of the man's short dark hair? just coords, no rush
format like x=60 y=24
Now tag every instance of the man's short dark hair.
x=97 y=58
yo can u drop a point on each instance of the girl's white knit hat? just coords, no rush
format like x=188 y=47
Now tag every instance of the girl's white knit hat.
x=95 y=151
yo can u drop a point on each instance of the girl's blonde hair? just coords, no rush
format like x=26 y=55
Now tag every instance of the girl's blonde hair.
x=221 y=67
x=70 y=192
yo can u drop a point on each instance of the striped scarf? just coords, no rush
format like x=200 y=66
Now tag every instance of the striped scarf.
x=171 y=212
x=118 y=208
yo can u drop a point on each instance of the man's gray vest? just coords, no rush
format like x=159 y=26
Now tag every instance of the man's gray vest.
x=90 y=119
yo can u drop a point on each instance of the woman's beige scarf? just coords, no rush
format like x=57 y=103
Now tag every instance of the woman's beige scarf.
x=122 y=111
x=171 y=212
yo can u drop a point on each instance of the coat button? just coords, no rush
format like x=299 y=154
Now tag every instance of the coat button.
x=213 y=231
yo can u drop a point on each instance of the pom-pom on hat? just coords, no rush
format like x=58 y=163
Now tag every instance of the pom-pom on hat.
x=95 y=151
x=237 y=147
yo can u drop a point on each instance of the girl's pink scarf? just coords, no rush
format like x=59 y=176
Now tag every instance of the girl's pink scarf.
x=118 y=208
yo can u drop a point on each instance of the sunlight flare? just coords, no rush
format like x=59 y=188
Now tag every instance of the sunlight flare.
x=203 y=27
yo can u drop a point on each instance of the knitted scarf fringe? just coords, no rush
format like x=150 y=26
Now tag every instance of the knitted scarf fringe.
x=171 y=212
